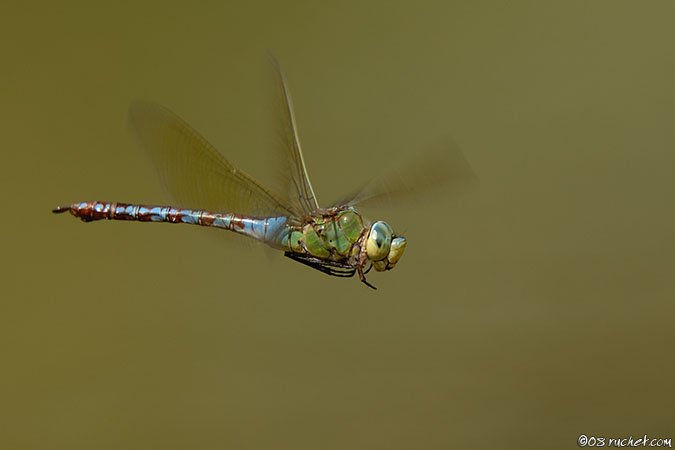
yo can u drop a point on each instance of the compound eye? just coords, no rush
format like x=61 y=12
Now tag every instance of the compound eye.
x=379 y=241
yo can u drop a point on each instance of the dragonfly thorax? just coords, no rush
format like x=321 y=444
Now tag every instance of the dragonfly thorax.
x=333 y=235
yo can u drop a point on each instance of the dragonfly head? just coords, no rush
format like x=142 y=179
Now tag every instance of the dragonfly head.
x=383 y=247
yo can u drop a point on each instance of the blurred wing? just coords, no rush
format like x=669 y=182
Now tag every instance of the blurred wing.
x=193 y=171
x=442 y=167
x=300 y=192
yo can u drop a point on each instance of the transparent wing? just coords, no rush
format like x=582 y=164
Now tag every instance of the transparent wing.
x=300 y=192
x=443 y=166
x=193 y=171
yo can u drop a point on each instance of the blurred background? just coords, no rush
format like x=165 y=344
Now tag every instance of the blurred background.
x=526 y=312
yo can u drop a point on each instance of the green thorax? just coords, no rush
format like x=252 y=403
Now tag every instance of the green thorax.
x=333 y=235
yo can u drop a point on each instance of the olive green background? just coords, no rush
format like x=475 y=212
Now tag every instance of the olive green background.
x=526 y=312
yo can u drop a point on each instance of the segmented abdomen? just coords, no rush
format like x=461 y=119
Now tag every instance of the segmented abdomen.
x=270 y=230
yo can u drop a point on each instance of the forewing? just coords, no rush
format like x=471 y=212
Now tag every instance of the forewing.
x=300 y=191
x=193 y=171
x=440 y=167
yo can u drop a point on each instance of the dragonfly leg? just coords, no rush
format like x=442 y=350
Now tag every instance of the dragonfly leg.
x=362 y=262
x=334 y=269
x=362 y=277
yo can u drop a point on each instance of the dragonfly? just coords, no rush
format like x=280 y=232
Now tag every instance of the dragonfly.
x=337 y=240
